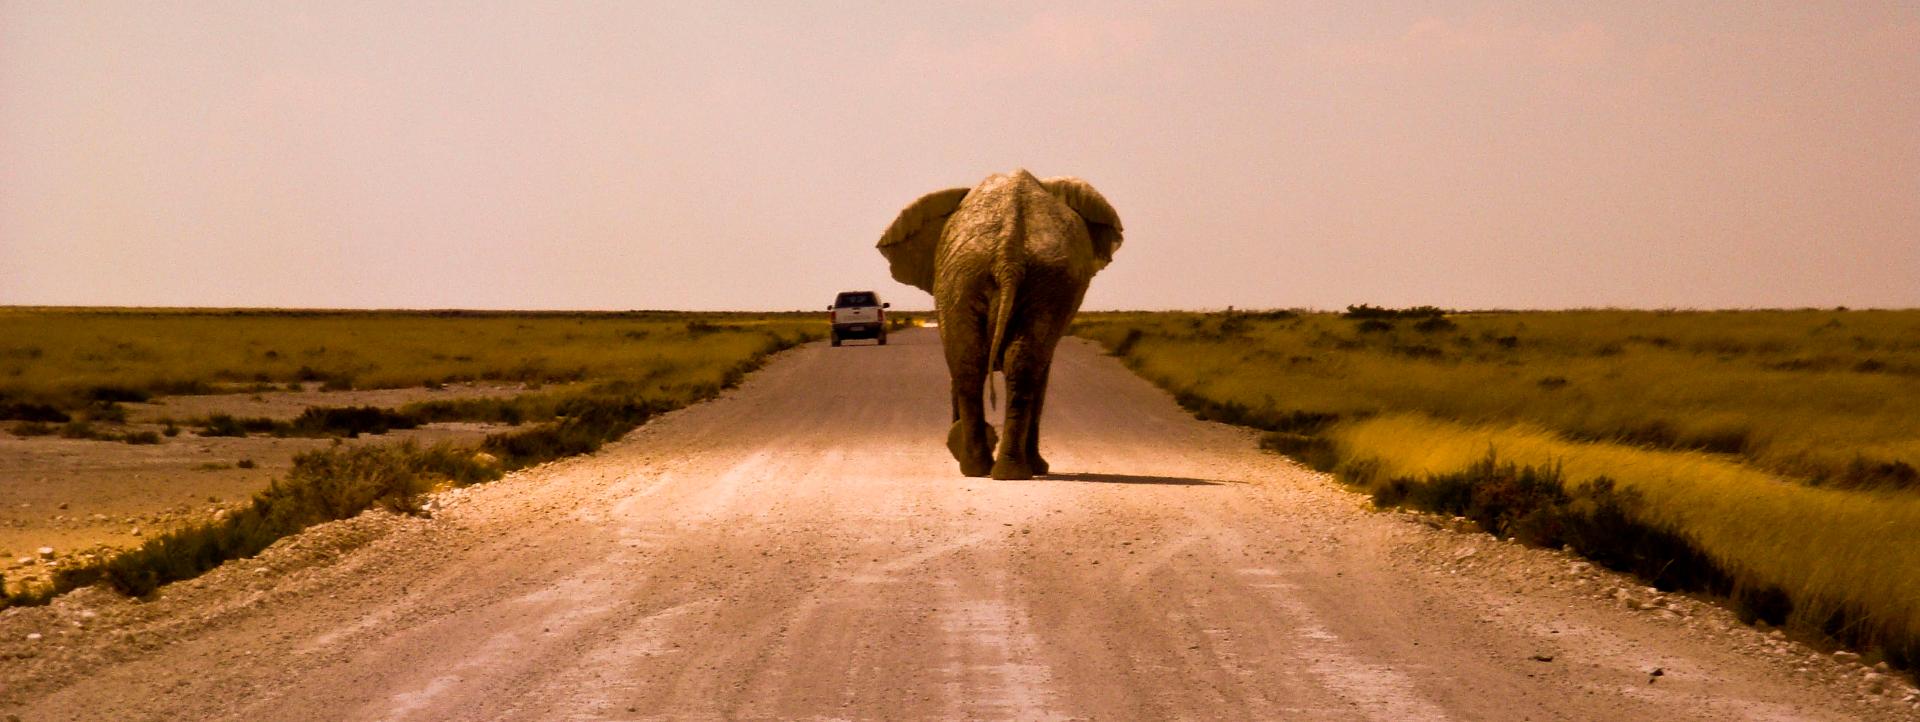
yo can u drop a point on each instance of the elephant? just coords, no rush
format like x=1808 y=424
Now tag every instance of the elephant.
x=1008 y=263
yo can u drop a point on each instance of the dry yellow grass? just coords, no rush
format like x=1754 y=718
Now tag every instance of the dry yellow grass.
x=1827 y=549
x=65 y=356
x=1803 y=393
x=1781 y=445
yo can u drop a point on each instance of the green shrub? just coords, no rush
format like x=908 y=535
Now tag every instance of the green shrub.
x=106 y=411
x=33 y=428
x=1365 y=311
x=1317 y=453
x=115 y=394
x=222 y=425
x=1872 y=475
x=35 y=412
x=79 y=430
x=587 y=424
x=348 y=421
x=510 y=411
x=1126 y=343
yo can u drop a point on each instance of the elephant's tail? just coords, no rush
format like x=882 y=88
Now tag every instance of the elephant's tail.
x=1006 y=275
x=1002 y=313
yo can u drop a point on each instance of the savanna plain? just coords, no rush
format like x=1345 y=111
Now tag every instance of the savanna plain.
x=148 y=446
x=1760 y=461
x=1768 y=457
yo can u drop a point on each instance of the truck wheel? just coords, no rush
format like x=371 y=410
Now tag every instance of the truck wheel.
x=883 y=339
x=836 y=340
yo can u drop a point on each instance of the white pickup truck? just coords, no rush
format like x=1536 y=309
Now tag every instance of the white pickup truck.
x=858 y=314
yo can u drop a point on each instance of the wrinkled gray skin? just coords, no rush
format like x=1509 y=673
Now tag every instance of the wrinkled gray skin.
x=1008 y=263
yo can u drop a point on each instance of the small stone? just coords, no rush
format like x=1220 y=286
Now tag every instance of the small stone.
x=34 y=637
x=1874 y=682
x=46 y=552
x=135 y=531
x=1542 y=658
x=1846 y=657
x=1658 y=672
x=63 y=505
x=1463 y=553
x=88 y=614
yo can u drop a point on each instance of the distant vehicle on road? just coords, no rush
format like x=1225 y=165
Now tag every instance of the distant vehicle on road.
x=858 y=314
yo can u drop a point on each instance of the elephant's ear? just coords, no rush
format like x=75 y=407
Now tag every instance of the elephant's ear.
x=1103 y=224
x=909 y=243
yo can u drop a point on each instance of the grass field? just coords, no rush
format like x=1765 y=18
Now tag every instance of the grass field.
x=591 y=377
x=1766 y=455
x=73 y=358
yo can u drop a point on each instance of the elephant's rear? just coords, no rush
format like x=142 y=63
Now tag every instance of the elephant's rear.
x=1008 y=263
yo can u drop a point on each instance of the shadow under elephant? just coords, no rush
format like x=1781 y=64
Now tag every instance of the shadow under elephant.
x=1102 y=478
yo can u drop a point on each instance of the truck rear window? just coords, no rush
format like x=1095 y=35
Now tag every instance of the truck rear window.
x=854 y=299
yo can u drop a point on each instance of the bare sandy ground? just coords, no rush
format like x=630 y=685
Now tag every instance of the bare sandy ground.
x=76 y=494
x=803 y=549
x=81 y=496
x=286 y=405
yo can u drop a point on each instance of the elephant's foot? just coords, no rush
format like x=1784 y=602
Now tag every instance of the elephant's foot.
x=976 y=458
x=1011 y=469
x=1039 y=465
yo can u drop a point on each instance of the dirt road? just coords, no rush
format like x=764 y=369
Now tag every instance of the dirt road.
x=803 y=549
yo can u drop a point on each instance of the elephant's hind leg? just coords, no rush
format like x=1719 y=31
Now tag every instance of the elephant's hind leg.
x=1034 y=459
x=1025 y=365
x=972 y=450
x=970 y=439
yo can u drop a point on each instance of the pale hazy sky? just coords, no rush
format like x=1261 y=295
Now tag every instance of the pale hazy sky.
x=747 y=155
